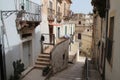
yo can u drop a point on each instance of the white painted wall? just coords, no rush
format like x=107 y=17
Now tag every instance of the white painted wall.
x=69 y=26
x=113 y=73
x=14 y=50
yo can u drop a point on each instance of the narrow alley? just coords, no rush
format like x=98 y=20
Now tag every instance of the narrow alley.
x=59 y=40
x=73 y=72
x=77 y=71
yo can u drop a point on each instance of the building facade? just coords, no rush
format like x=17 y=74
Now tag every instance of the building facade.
x=86 y=42
x=106 y=42
x=20 y=24
x=82 y=22
x=55 y=18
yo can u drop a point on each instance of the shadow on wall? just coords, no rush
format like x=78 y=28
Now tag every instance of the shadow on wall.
x=12 y=54
x=37 y=45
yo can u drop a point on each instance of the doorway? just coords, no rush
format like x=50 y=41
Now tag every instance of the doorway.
x=58 y=32
x=27 y=54
x=51 y=33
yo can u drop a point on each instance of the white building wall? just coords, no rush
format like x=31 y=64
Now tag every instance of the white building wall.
x=14 y=50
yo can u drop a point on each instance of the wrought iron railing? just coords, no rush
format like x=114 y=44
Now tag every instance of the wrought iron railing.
x=28 y=10
x=51 y=11
x=48 y=39
x=51 y=14
x=59 y=16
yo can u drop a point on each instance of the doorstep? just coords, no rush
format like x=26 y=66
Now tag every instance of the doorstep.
x=24 y=73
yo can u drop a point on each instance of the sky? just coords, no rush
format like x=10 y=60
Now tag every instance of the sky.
x=81 y=6
x=78 y=6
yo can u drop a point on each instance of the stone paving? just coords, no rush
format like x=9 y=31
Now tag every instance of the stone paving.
x=35 y=74
x=73 y=72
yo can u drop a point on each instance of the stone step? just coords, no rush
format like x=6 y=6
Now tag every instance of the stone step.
x=40 y=66
x=44 y=56
x=46 y=53
x=42 y=63
x=43 y=59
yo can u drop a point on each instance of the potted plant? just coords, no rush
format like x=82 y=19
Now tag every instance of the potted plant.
x=18 y=69
x=46 y=70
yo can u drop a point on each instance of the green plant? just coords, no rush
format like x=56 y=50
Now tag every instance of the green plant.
x=100 y=6
x=46 y=70
x=18 y=69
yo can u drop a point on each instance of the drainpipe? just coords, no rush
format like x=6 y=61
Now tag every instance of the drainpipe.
x=107 y=16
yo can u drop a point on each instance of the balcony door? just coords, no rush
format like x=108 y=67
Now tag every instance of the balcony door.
x=51 y=32
x=58 y=32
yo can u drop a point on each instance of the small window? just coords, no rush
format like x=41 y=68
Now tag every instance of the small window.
x=88 y=30
x=79 y=22
x=110 y=41
x=79 y=35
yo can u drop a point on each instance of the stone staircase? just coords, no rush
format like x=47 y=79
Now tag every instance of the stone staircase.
x=44 y=58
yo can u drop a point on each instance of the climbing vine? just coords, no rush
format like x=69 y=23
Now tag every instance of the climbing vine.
x=100 y=6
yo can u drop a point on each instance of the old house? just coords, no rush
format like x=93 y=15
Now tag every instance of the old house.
x=55 y=35
x=20 y=22
x=55 y=14
x=106 y=42
x=82 y=22
x=86 y=42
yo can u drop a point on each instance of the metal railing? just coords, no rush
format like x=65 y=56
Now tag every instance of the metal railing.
x=51 y=11
x=86 y=69
x=49 y=39
x=28 y=10
x=51 y=14
x=59 y=16
x=58 y=13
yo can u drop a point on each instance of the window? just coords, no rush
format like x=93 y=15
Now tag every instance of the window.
x=65 y=30
x=79 y=35
x=50 y=7
x=50 y=4
x=79 y=22
x=110 y=41
x=64 y=9
x=58 y=9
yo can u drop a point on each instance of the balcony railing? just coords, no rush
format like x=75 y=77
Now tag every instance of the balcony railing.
x=48 y=39
x=51 y=14
x=60 y=1
x=28 y=10
x=59 y=17
x=28 y=15
x=67 y=15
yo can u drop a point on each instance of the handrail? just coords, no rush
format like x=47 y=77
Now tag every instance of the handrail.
x=86 y=66
x=28 y=10
x=29 y=6
x=49 y=39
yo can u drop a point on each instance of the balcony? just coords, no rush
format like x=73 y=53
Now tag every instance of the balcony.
x=67 y=15
x=51 y=14
x=60 y=1
x=28 y=16
x=59 y=17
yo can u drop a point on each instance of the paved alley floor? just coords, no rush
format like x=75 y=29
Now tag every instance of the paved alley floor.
x=73 y=72
x=35 y=74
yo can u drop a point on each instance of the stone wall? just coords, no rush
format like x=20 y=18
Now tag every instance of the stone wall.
x=59 y=56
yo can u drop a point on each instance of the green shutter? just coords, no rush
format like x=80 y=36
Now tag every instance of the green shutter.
x=65 y=30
